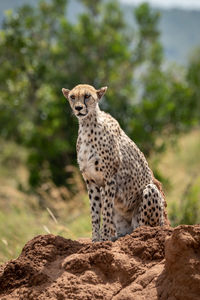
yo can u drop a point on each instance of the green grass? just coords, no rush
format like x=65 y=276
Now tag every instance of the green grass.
x=21 y=215
x=19 y=225
x=180 y=165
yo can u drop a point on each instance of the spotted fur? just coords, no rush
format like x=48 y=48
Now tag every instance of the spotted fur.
x=121 y=187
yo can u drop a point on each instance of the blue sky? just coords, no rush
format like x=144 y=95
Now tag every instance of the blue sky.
x=187 y=4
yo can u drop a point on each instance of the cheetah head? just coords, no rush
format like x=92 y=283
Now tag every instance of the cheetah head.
x=83 y=99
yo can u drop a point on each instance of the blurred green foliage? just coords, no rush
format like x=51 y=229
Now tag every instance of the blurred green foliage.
x=41 y=52
x=193 y=79
x=188 y=210
x=191 y=204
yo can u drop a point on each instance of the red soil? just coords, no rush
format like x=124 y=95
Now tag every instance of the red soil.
x=151 y=263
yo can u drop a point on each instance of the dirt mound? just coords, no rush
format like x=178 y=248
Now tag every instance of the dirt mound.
x=151 y=263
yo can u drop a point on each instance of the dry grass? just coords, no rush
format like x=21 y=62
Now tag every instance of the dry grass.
x=181 y=165
x=51 y=210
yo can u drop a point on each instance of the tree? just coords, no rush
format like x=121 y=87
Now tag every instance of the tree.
x=41 y=52
x=193 y=78
x=165 y=107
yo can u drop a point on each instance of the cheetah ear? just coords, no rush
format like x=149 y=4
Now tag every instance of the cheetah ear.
x=65 y=92
x=101 y=92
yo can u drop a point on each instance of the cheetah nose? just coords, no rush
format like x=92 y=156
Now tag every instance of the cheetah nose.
x=78 y=107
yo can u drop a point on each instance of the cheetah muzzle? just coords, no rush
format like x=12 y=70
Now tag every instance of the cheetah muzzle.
x=121 y=186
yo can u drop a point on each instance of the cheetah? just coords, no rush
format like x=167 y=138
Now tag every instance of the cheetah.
x=122 y=190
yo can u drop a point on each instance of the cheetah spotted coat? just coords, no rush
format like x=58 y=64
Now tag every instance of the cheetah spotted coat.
x=120 y=184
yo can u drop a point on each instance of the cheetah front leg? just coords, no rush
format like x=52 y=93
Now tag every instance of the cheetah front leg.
x=95 y=208
x=107 y=196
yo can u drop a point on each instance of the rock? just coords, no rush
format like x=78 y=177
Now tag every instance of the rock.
x=151 y=263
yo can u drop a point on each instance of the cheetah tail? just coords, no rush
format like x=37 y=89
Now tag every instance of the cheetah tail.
x=159 y=186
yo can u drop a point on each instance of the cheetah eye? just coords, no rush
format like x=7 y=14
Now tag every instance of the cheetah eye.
x=87 y=96
x=72 y=97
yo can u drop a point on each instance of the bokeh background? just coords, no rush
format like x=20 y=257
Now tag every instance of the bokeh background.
x=149 y=57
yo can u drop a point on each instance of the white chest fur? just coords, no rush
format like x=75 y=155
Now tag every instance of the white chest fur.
x=87 y=156
x=84 y=154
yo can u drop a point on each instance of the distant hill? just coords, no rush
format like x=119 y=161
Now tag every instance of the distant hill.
x=179 y=28
x=180 y=31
